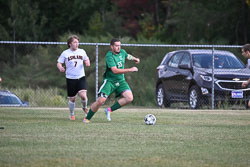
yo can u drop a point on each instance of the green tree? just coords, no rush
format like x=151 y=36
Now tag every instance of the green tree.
x=211 y=21
x=96 y=25
x=25 y=20
x=4 y=26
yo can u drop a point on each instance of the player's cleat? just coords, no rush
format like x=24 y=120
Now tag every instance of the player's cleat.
x=72 y=117
x=85 y=120
x=107 y=112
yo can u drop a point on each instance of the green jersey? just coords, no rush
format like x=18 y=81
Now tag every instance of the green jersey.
x=115 y=60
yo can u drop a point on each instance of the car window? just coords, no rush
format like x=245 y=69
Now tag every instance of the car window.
x=8 y=100
x=4 y=99
x=185 y=59
x=174 y=61
x=229 y=62
x=164 y=61
x=14 y=100
x=220 y=61
x=202 y=60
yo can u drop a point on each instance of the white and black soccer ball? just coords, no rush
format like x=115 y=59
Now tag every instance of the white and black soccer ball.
x=150 y=119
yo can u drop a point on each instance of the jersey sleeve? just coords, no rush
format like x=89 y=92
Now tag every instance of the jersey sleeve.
x=110 y=60
x=61 y=58
x=85 y=57
x=125 y=53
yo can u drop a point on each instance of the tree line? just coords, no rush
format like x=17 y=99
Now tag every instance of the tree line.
x=170 y=21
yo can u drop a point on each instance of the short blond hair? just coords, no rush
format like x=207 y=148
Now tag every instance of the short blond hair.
x=71 y=38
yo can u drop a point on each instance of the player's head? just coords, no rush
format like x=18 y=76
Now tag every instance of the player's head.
x=246 y=50
x=73 y=41
x=115 y=45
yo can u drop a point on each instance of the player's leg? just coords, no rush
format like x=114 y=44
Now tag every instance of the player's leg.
x=82 y=87
x=71 y=105
x=126 y=97
x=84 y=101
x=94 y=108
x=72 y=97
x=105 y=90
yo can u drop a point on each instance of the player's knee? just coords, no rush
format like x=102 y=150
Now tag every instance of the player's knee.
x=101 y=101
x=84 y=97
x=130 y=99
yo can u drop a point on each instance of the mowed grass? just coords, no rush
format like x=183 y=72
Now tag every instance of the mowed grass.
x=46 y=137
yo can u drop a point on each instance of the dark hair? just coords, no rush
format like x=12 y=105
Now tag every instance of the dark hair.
x=246 y=47
x=112 y=42
x=71 y=38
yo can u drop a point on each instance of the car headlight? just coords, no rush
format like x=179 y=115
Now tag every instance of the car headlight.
x=206 y=78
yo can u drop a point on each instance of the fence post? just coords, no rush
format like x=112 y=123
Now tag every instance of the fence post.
x=96 y=72
x=212 y=97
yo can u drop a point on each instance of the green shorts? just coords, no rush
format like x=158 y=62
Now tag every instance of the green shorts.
x=109 y=87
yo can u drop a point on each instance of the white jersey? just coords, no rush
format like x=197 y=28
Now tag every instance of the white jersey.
x=74 y=63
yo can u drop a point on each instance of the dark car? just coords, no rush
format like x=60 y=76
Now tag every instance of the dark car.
x=187 y=76
x=8 y=98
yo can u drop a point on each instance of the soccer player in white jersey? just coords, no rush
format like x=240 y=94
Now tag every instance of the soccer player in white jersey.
x=245 y=51
x=74 y=58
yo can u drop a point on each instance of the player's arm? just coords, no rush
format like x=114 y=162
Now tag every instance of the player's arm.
x=60 y=67
x=136 y=60
x=116 y=70
x=87 y=62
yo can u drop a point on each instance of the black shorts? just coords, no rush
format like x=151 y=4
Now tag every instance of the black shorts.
x=75 y=85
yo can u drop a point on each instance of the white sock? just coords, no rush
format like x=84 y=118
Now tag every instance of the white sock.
x=71 y=107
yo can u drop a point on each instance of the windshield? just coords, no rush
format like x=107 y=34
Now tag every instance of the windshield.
x=220 y=61
x=9 y=100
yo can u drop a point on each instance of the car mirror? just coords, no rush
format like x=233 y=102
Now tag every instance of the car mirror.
x=184 y=66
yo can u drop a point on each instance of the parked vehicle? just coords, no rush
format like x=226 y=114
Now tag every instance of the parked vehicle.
x=8 y=98
x=186 y=76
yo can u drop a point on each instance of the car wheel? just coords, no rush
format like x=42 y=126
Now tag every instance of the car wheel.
x=194 y=97
x=161 y=97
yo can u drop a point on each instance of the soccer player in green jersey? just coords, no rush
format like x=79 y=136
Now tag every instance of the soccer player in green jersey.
x=114 y=81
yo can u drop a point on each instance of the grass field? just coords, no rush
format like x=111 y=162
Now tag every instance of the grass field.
x=46 y=137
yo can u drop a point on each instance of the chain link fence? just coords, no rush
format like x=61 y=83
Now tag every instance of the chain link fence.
x=174 y=76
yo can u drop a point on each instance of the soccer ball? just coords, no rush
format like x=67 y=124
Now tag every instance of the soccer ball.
x=150 y=119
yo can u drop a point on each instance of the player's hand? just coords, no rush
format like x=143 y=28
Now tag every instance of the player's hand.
x=134 y=69
x=244 y=84
x=137 y=60
x=62 y=69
